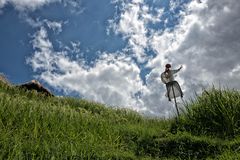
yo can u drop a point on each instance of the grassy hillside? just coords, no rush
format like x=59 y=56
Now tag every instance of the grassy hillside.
x=33 y=126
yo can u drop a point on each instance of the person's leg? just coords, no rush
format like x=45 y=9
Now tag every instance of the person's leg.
x=168 y=91
x=179 y=88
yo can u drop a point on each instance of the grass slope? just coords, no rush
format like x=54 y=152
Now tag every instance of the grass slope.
x=33 y=126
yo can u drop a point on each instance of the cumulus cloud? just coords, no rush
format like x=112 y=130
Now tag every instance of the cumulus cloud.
x=31 y=5
x=206 y=41
x=55 y=26
x=132 y=24
x=2 y=3
x=114 y=80
x=75 y=6
x=26 y=4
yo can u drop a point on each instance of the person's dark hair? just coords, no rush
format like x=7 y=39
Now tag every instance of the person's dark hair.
x=168 y=66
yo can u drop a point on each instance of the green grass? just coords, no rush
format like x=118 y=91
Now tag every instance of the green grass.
x=33 y=126
x=214 y=113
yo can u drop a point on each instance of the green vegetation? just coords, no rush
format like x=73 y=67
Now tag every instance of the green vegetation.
x=215 y=113
x=33 y=126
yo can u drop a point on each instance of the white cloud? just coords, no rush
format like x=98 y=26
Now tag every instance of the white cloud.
x=44 y=49
x=132 y=25
x=26 y=4
x=206 y=41
x=31 y=5
x=2 y=3
x=75 y=6
x=114 y=80
x=55 y=26
x=75 y=47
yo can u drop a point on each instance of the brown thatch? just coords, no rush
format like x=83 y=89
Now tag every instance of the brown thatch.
x=35 y=85
x=3 y=79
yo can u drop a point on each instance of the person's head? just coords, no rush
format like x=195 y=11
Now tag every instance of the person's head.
x=168 y=66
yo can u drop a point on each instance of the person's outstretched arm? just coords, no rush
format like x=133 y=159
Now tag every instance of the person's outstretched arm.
x=177 y=70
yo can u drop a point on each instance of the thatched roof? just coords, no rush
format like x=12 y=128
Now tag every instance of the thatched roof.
x=31 y=85
x=35 y=85
x=3 y=79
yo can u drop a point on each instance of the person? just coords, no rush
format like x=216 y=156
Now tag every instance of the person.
x=167 y=78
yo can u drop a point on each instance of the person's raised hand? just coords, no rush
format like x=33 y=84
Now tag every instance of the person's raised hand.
x=181 y=67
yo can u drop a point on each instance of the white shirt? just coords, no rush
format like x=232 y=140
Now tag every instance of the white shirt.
x=168 y=76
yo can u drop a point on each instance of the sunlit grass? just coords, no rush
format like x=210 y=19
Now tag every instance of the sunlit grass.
x=216 y=112
x=33 y=126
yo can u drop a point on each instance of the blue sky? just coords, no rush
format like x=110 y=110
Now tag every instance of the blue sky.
x=113 y=51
